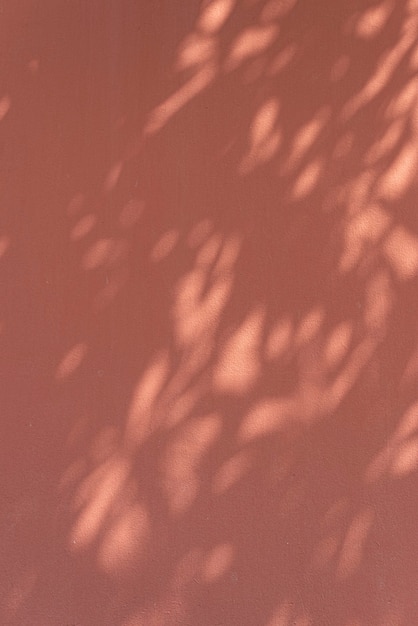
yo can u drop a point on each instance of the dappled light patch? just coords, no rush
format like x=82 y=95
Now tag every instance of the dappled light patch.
x=114 y=283
x=401 y=105
x=362 y=232
x=399 y=457
x=306 y=137
x=386 y=144
x=83 y=227
x=340 y=68
x=33 y=66
x=125 y=539
x=76 y=204
x=196 y=50
x=214 y=15
x=165 y=245
x=265 y=418
x=4 y=245
x=386 y=67
x=248 y=44
x=338 y=344
x=239 y=364
x=104 y=252
x=401 y=249
x=399 y=176
x=232 y=471
x=5 y=104
x=307 y=180
x=324 y=553
x=406 y=459
x=183 y=457
x=354 y=545
x=201 y=295
x=373 y=20
x=113 y=176
x=264 y=137
x=217 y=563
x=140 y=417
x=379 y=300
x=95 y=498
x=210 y=233
x=131 y=213
x=73 y=474
x=279 y=339
x=309 y=326
x=199 y=233
x=71 y=361
x=175 y=103
x=282 y=60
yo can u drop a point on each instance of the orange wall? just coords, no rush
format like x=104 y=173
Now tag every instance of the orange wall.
x=208 y=324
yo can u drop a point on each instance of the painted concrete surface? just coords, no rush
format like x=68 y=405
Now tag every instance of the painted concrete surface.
x=208 y=262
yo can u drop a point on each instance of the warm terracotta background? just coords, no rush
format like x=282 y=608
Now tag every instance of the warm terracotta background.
x=209 y=258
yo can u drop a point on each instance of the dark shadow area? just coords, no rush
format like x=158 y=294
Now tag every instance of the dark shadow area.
x=208 y=335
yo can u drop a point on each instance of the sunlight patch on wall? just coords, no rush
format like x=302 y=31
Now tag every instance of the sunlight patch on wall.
x=184 y=453
x=385 y=68
x=309 y=326
x=161 y=115
x=324 y=553
x=76 y=203
x=83 y=227
x=71 y=361
x=282 y=60
x=104 y=251
x=199 y=233
x=400 y=455
x=306 y=136
x=340 y=68
x=232 y=471
x=308 y=179
x=33 y=66
x=4 y=245
x=396 y=180
x=131 y=213
x=124 y=540
x=404 y=101
x=96 y=497
x=338 y=344
x=401 y=249
x=214 y=15
x=279 y=339
x=379 y=301
x=264 y=137
x=202 y=293
x=195 y=50
x=250 y=43
x=372 y=21
x=239 y=364
x=354 y=546
x=5 y=104
x=113 y=176
x=386 y=144
x=73 y=474
x=139 y=422
x=217 y=563
x=165 y=245
x=362 y=232
x=267 y=416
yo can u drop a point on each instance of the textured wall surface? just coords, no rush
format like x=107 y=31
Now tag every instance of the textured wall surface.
x=208 y=313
